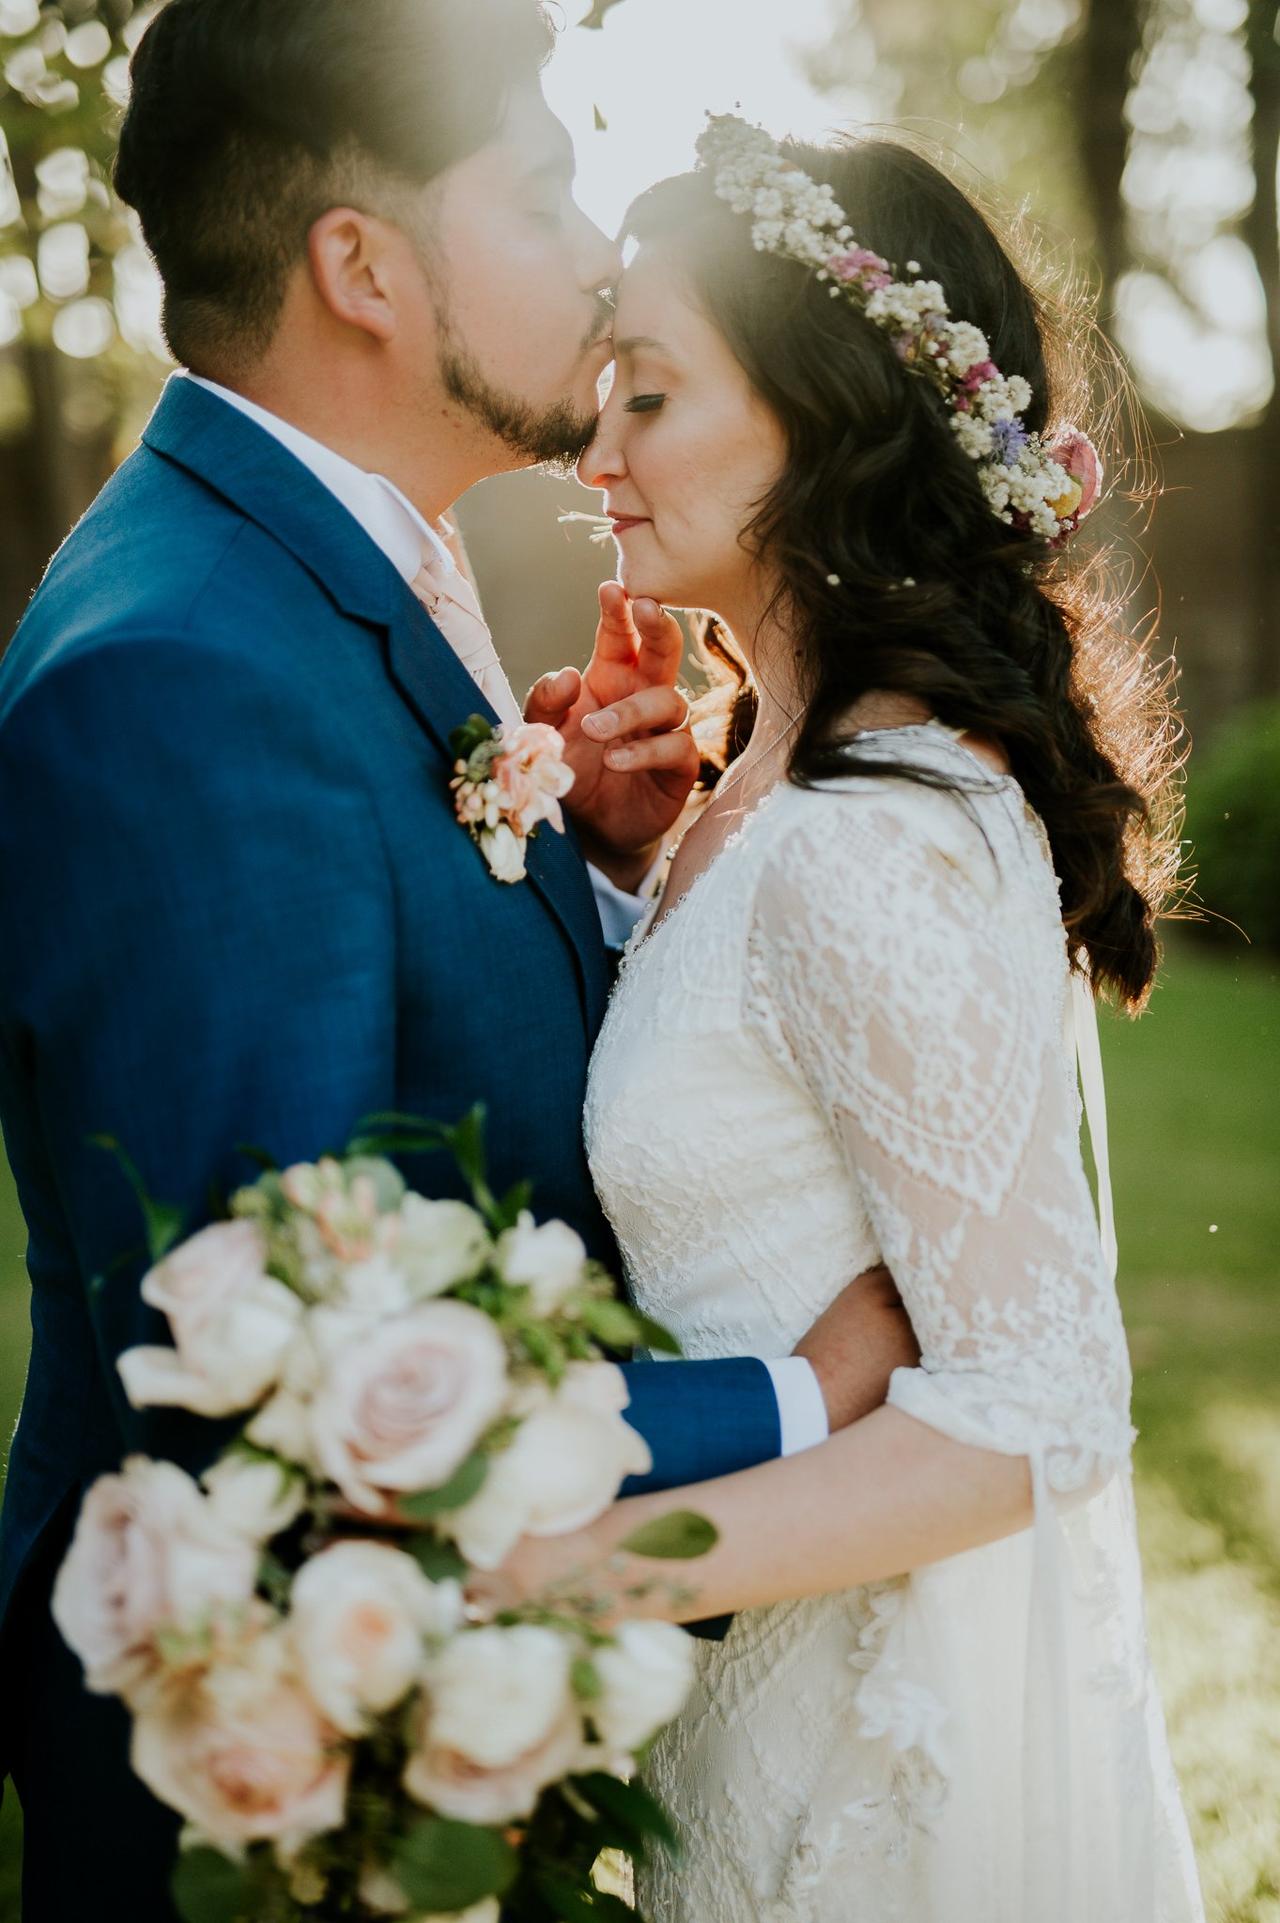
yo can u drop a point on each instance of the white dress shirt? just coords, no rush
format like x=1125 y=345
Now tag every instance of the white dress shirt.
x=394 y=524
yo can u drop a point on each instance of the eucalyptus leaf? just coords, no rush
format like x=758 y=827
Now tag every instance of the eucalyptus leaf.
x=439 y=1561
x=444 y=1866
x=465 y=1483
x=677 y=1537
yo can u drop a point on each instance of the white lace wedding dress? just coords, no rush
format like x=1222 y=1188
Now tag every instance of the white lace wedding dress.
x=847 y=1042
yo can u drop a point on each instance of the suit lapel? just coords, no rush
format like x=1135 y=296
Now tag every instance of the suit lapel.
x=242 y=462
x=442 y=694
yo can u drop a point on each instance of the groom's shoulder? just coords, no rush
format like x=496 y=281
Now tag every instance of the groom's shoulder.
x=160 y=561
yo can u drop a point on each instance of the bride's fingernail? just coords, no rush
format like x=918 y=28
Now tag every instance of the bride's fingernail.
x=601 y=727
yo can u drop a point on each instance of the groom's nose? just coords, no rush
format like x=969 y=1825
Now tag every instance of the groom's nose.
x=599 y=258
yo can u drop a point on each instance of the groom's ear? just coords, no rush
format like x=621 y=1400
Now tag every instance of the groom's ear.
x=352 y=258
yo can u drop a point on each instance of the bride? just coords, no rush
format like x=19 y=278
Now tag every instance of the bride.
x=844 y=1037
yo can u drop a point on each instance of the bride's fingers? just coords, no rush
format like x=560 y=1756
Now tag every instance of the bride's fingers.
x=550 y=699
x=651 y=711
x=661 y=641
x=616 y=637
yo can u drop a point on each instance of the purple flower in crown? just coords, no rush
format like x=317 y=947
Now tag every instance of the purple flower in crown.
x=1008 y=439
x=860 y=264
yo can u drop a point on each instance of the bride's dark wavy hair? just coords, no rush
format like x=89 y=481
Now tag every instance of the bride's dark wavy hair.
x=934 y=597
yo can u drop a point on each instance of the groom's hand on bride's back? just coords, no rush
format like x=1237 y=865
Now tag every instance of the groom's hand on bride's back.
x=855 y=1346
x=626 y=735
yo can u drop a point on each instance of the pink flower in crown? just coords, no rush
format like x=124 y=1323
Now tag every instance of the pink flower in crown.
x=978 y=376
x=1073 y=450
x=860 y=264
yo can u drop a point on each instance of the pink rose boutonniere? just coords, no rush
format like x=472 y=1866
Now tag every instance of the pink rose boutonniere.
x=506 y=782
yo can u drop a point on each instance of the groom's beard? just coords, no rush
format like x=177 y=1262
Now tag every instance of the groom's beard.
x=557 y=437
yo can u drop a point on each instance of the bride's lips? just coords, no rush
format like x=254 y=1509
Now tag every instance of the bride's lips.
x=623 y=523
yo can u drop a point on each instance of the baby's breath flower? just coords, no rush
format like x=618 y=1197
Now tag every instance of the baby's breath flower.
x=800 y=219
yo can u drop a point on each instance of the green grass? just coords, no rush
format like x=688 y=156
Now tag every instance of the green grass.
x=1194 y=1093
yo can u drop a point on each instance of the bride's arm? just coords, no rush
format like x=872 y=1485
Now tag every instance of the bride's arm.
x=885 y=1496
x=907 y=975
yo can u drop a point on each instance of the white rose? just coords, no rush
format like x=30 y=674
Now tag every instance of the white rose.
x=498 y=1722
x=647 y=1674
x=283 y=1424
x=564 y=1467
x=257 y=1499
x=360 y=1614
x=244 y=1754
x=376 y=1286
x=504 y=850
x=548 y=1260
x=403 y=1403
x=439 y=1244
x=149 y=1553
x=495 y=1693
x=231 y=1323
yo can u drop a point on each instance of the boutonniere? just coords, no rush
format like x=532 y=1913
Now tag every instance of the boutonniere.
x=505 y=782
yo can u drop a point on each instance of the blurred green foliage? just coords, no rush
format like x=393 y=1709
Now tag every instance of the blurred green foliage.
x=1233 y=825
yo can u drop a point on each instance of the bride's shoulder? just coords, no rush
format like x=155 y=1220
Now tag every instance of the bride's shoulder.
x=886 y=842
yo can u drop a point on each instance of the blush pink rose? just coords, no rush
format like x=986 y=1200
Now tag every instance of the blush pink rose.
x=150 y=1553
x=532 y=773
x=231 y=1324
x=360 y=1617
x=244 y=1754
x=497 y=1723
x=1074 y=451
x=402 y=1403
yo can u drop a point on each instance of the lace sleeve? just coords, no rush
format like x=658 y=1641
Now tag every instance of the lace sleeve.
x=907 y=956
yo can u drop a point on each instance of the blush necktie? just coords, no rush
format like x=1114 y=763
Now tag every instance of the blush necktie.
x=450 y=600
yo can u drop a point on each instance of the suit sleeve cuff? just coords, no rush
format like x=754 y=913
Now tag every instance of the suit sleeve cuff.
x=802 y=1412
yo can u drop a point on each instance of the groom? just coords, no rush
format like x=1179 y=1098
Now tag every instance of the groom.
x=238 y=906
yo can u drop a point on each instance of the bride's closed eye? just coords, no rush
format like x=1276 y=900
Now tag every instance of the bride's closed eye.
x=644 y=403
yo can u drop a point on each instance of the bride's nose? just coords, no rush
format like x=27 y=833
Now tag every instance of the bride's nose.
x=604 y=462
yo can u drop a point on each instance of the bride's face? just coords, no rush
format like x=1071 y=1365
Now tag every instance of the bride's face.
x=685 y=452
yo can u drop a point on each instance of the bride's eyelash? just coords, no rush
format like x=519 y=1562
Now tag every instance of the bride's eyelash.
x=644 y=403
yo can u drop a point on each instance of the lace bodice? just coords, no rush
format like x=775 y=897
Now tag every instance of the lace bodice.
x=864 y=996
x=845 y=1043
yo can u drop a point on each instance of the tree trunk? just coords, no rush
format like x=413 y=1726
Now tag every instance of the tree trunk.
x=1109 y=51
x=1262 y=232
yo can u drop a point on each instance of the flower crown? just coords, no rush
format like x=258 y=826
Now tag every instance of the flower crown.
x=1044 y=488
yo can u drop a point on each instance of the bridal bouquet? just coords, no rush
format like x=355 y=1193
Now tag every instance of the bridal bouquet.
x=420 y=1383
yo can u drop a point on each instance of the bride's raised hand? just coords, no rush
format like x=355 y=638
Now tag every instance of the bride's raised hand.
x=626 y=734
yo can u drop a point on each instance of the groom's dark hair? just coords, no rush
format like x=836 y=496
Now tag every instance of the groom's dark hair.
x=248 y=118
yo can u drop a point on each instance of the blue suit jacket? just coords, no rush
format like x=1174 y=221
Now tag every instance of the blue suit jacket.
x=238 y=908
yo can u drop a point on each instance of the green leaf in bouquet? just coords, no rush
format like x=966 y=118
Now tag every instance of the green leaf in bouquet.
x=209 y=1888
x=677 y=1537
x=163 y=1221
x=611 y=1322
x=512 y=1206
x=444 y=1866
x=545 y=1349
x=631 y=1810
x=585 y=1678
x=260 y=1157
x=465 y=1483
x=654 y=1336
x=438 y=1560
